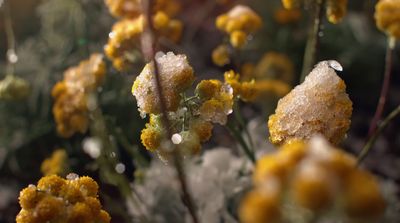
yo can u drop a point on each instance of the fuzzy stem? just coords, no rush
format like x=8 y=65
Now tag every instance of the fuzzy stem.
x=372 y=139
x=385 y=85
x=148 y=47
x=310 y=54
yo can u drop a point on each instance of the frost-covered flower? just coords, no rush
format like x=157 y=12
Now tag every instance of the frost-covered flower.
x=311 y=176
x=176 y=76
x=216 y=181
x=319 y=105
x=240 y=22
x=55 y=199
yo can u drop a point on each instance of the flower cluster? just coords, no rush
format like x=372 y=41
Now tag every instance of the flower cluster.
x=56 y=164
x=124 y=39
x=239 y=23
x=319 y=105
x=220 y=55
x=387 y=17
x=335 y=9
x=70 y=109
x=133 y=8
x=191 y=118
x=55 y=199
x=310 y=176
x=217 y=179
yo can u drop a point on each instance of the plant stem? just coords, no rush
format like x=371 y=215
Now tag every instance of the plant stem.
x=148 y=47
x=310 y=54
x=391 y=42
x=373 y=138
x=240 y=120
x=10 y=38
x=236 y=134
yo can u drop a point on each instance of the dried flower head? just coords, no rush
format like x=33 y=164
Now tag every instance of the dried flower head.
x=70 y=108
x=319 y=105
x=176 y=76
x=55 y=199
x=387 y=17
x=313 y=176
x=56 y=164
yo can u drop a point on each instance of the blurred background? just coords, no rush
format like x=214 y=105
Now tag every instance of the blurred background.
x=52 y=35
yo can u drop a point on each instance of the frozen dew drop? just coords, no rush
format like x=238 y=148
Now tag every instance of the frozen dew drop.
x=72 y=176
x=229 y=111
x=321 y=34
x=335 y=65
x=176 y=138
x=12 y=56
x=120 y=168
x=92 y=146
x=111 y=35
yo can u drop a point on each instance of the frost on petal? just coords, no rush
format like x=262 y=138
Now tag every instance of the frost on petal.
x=319 y=105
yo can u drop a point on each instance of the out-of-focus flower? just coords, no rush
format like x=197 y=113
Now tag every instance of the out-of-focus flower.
x=240 y=22
x=274 y=65
x=220 y=55
x=335 y=9
x=387 y=17
x=176 y=76
x=70 y=109
x=124 y=39
x=56 y=164
x=313 y=176
x=217 y=179
x=287 y=16
x=319 y=105
x=133 y=8
x=13 y=88
x=55 y=199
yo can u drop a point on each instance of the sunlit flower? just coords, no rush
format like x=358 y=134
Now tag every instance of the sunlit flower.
x=70 y=108
x=56 y=164
x=55 y=199
x=319 y=105
x=387 y=17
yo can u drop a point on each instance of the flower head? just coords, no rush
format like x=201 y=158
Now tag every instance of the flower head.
x=55 y=199
x=387 y=17
x=56 y=164
x=133 y=8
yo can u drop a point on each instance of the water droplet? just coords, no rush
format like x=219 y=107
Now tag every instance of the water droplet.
x=72 y=176
x=335 y=65
x=92 y=146
x=12 y=56
x=120 y=168
x=176 y=138
x=321 y=34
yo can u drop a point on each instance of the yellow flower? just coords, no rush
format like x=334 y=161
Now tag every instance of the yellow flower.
x=290 y=4
x=176 y=76
x=151 y=138
x=387 y=17
x=319 y=105
x=207 y=89
x=70 y=108
x=56 y=164
x=260 y=207
x=220 y=55
x=269 y=167
x=239 y=22
x=286 y=16
x=335 y=10
x=58 y=200
x=274 y=65
x=202 y=128
x=362 y=197
x=133 y=8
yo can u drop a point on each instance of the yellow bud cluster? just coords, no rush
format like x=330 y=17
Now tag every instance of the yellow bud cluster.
x=239 y=23
x=335 y=9
x=57 y=163
x=70 y=108
x=387 y=16
x=216 y=100
x=313 y=176
x=57 y=200
x=220 y=55
x=133 y=8
x=125 y=38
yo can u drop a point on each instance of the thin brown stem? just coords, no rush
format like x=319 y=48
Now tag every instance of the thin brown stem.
x=311 y=52
x=148 y=48
x=372 y=139
x=385 y=85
